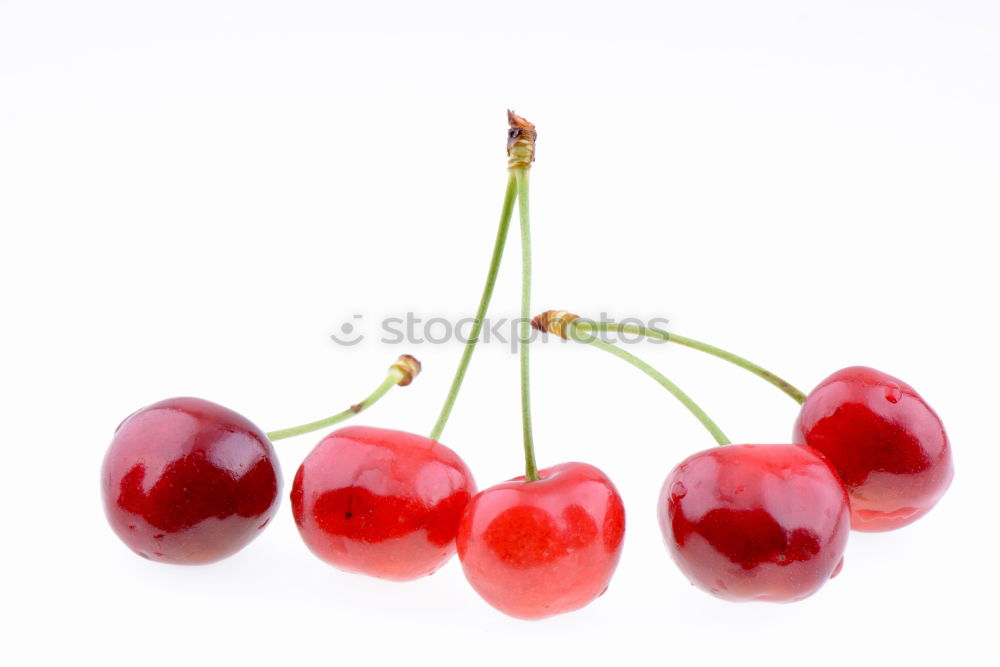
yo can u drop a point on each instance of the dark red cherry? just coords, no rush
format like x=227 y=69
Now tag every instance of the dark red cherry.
x=755 y=522
x=188 y=481
x=381 y=502
x=888 y=446
x=534 y=549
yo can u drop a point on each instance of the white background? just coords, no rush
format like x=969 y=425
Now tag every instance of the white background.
x=195 y=195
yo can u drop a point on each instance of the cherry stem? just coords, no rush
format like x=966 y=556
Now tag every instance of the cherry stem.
x=484 y=301
x=402 y=373
x=784 y=385
x=520 y=154
x=574 y=330
x=530 y=467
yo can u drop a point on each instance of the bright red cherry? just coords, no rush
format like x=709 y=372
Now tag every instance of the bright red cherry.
x=534 y=549
x=755 y=522
x=188 y=481
x=886 y=443
x=381 y=502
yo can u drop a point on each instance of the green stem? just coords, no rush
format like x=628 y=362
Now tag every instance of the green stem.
x=530 y=468
x=782 y=384
x=576 y=328
x=484 y=301
x=392 y=379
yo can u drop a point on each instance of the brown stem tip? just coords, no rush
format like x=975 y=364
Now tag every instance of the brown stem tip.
x=408 y=366
x=520 y=141
x=553 y=321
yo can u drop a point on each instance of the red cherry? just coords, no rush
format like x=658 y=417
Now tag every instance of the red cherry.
x=888 y=446
x=534 y=549
x=755 y=522
x=381 y=502
x=188 y=481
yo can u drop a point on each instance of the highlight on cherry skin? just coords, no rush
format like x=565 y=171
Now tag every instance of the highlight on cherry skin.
x=888 y=446
x=381 y=502
x=535 y=549
x=188 y=481
x=755 y=522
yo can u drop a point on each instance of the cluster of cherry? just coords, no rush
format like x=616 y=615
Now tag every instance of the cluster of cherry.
x=188 y=481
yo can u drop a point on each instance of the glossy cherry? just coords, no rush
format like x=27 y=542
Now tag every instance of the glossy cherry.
x=755 y=522
x=188 y=481
x=534 y=549
x=887 y=444
x=381 y=502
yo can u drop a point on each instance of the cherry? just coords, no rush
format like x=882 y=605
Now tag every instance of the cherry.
x=755 y=522
x=188 y=481
x=535 y=549
x=887 y=444
x=547 y=542
x=381 y=502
